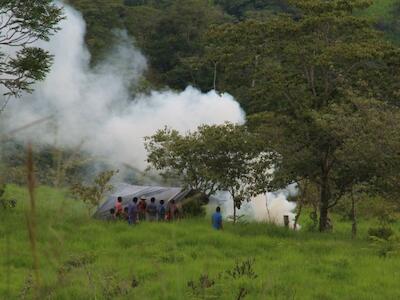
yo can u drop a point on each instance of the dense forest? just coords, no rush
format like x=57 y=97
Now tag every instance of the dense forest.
x=177 y=36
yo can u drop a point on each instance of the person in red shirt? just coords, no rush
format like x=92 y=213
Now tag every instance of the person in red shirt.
x=142 y=209
x=172 y=210
x=118 y=207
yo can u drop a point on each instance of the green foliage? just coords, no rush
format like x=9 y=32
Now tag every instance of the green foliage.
x=85 y=258
x=381 y=232
x=53 y=166
x=194 y=206
x=92 y=195
x=387 y=245
x=243 y=269
x=213 y=158
x=23 y=23
x=169 y=32
x=241 y=8
x=180 y=28
x=318 y=77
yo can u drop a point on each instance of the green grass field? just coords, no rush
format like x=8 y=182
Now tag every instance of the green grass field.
x=81 y=258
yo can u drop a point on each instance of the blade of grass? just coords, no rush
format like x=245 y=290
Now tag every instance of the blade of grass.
x=31 y=215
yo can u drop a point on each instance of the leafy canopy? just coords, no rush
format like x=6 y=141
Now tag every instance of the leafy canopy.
x=213 y=158
x=93 y=194
x=314 y=74
x=22 y=23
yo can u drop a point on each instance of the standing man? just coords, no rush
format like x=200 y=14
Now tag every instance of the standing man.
x=142 y=209
x=216 y=219
x=161 y=211
x=172 y=210
x=132 y=211
x=152 y=210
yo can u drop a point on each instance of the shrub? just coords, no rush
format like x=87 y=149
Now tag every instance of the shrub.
x=387 y=247
x=382 y=232
x=194 y=206
x=4 y=202
x=243 y=269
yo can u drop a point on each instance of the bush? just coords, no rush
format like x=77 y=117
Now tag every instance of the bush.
x=4 y=202
x=193 y=205
x=193 y=208
x=387 y=247
x=383 y=232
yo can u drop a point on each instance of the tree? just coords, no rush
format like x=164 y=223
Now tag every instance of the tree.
x=177 y=37
x=239 y=8
x=213 y=158
x=363 y=142
x=22 y=23
x=312 y=71
x=92 y=195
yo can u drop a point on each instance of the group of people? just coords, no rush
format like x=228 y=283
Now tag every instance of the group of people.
x=137 y=210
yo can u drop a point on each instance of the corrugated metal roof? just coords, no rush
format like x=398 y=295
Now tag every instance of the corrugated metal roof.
x=127 y=192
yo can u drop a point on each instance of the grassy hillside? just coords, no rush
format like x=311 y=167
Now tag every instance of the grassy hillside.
x=81 y=258
x=381 y=8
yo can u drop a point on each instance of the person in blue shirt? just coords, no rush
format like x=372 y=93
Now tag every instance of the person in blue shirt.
x=161 y=211
x=217 y=219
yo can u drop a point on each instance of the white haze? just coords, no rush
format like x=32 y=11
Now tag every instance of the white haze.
x=93 y=107
x=269 y=207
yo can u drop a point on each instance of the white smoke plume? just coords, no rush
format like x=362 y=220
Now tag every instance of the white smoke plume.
x=93 y=107
x=268 y=208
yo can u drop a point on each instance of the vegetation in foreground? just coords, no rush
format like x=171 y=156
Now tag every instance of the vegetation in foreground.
x=83 y=258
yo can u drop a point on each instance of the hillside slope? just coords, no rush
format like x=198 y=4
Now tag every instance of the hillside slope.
x=83 y=258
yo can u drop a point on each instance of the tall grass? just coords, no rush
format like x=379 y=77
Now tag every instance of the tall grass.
x=83 y=258
x=31 y=215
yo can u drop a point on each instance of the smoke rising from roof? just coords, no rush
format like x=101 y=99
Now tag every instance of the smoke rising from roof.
x=94 y=106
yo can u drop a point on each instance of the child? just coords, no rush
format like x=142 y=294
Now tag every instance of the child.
x=111 y=216
x=125 y=215
x=118 y=207
x=216 y=219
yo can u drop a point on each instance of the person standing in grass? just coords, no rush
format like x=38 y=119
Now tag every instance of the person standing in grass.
x=132 y=211
x=161 y=211
x=172 y=210
x=118 y=208
x=111 y=217
x=216 y=219
x=142 y=209
x=125 y=214
x=151 y=210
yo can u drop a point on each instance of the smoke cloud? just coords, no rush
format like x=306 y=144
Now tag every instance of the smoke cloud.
x=94 y=107
x=269 y=208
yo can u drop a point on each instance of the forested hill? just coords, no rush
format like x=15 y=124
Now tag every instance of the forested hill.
x=176 y=36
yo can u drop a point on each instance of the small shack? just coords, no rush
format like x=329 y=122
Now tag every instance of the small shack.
x=128 y=191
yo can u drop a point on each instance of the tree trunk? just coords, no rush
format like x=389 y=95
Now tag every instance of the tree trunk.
x=253 y=82
x=296 y=219
x=234 y=212
x=215 y=76
x=324 y=205
x=353 y=217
